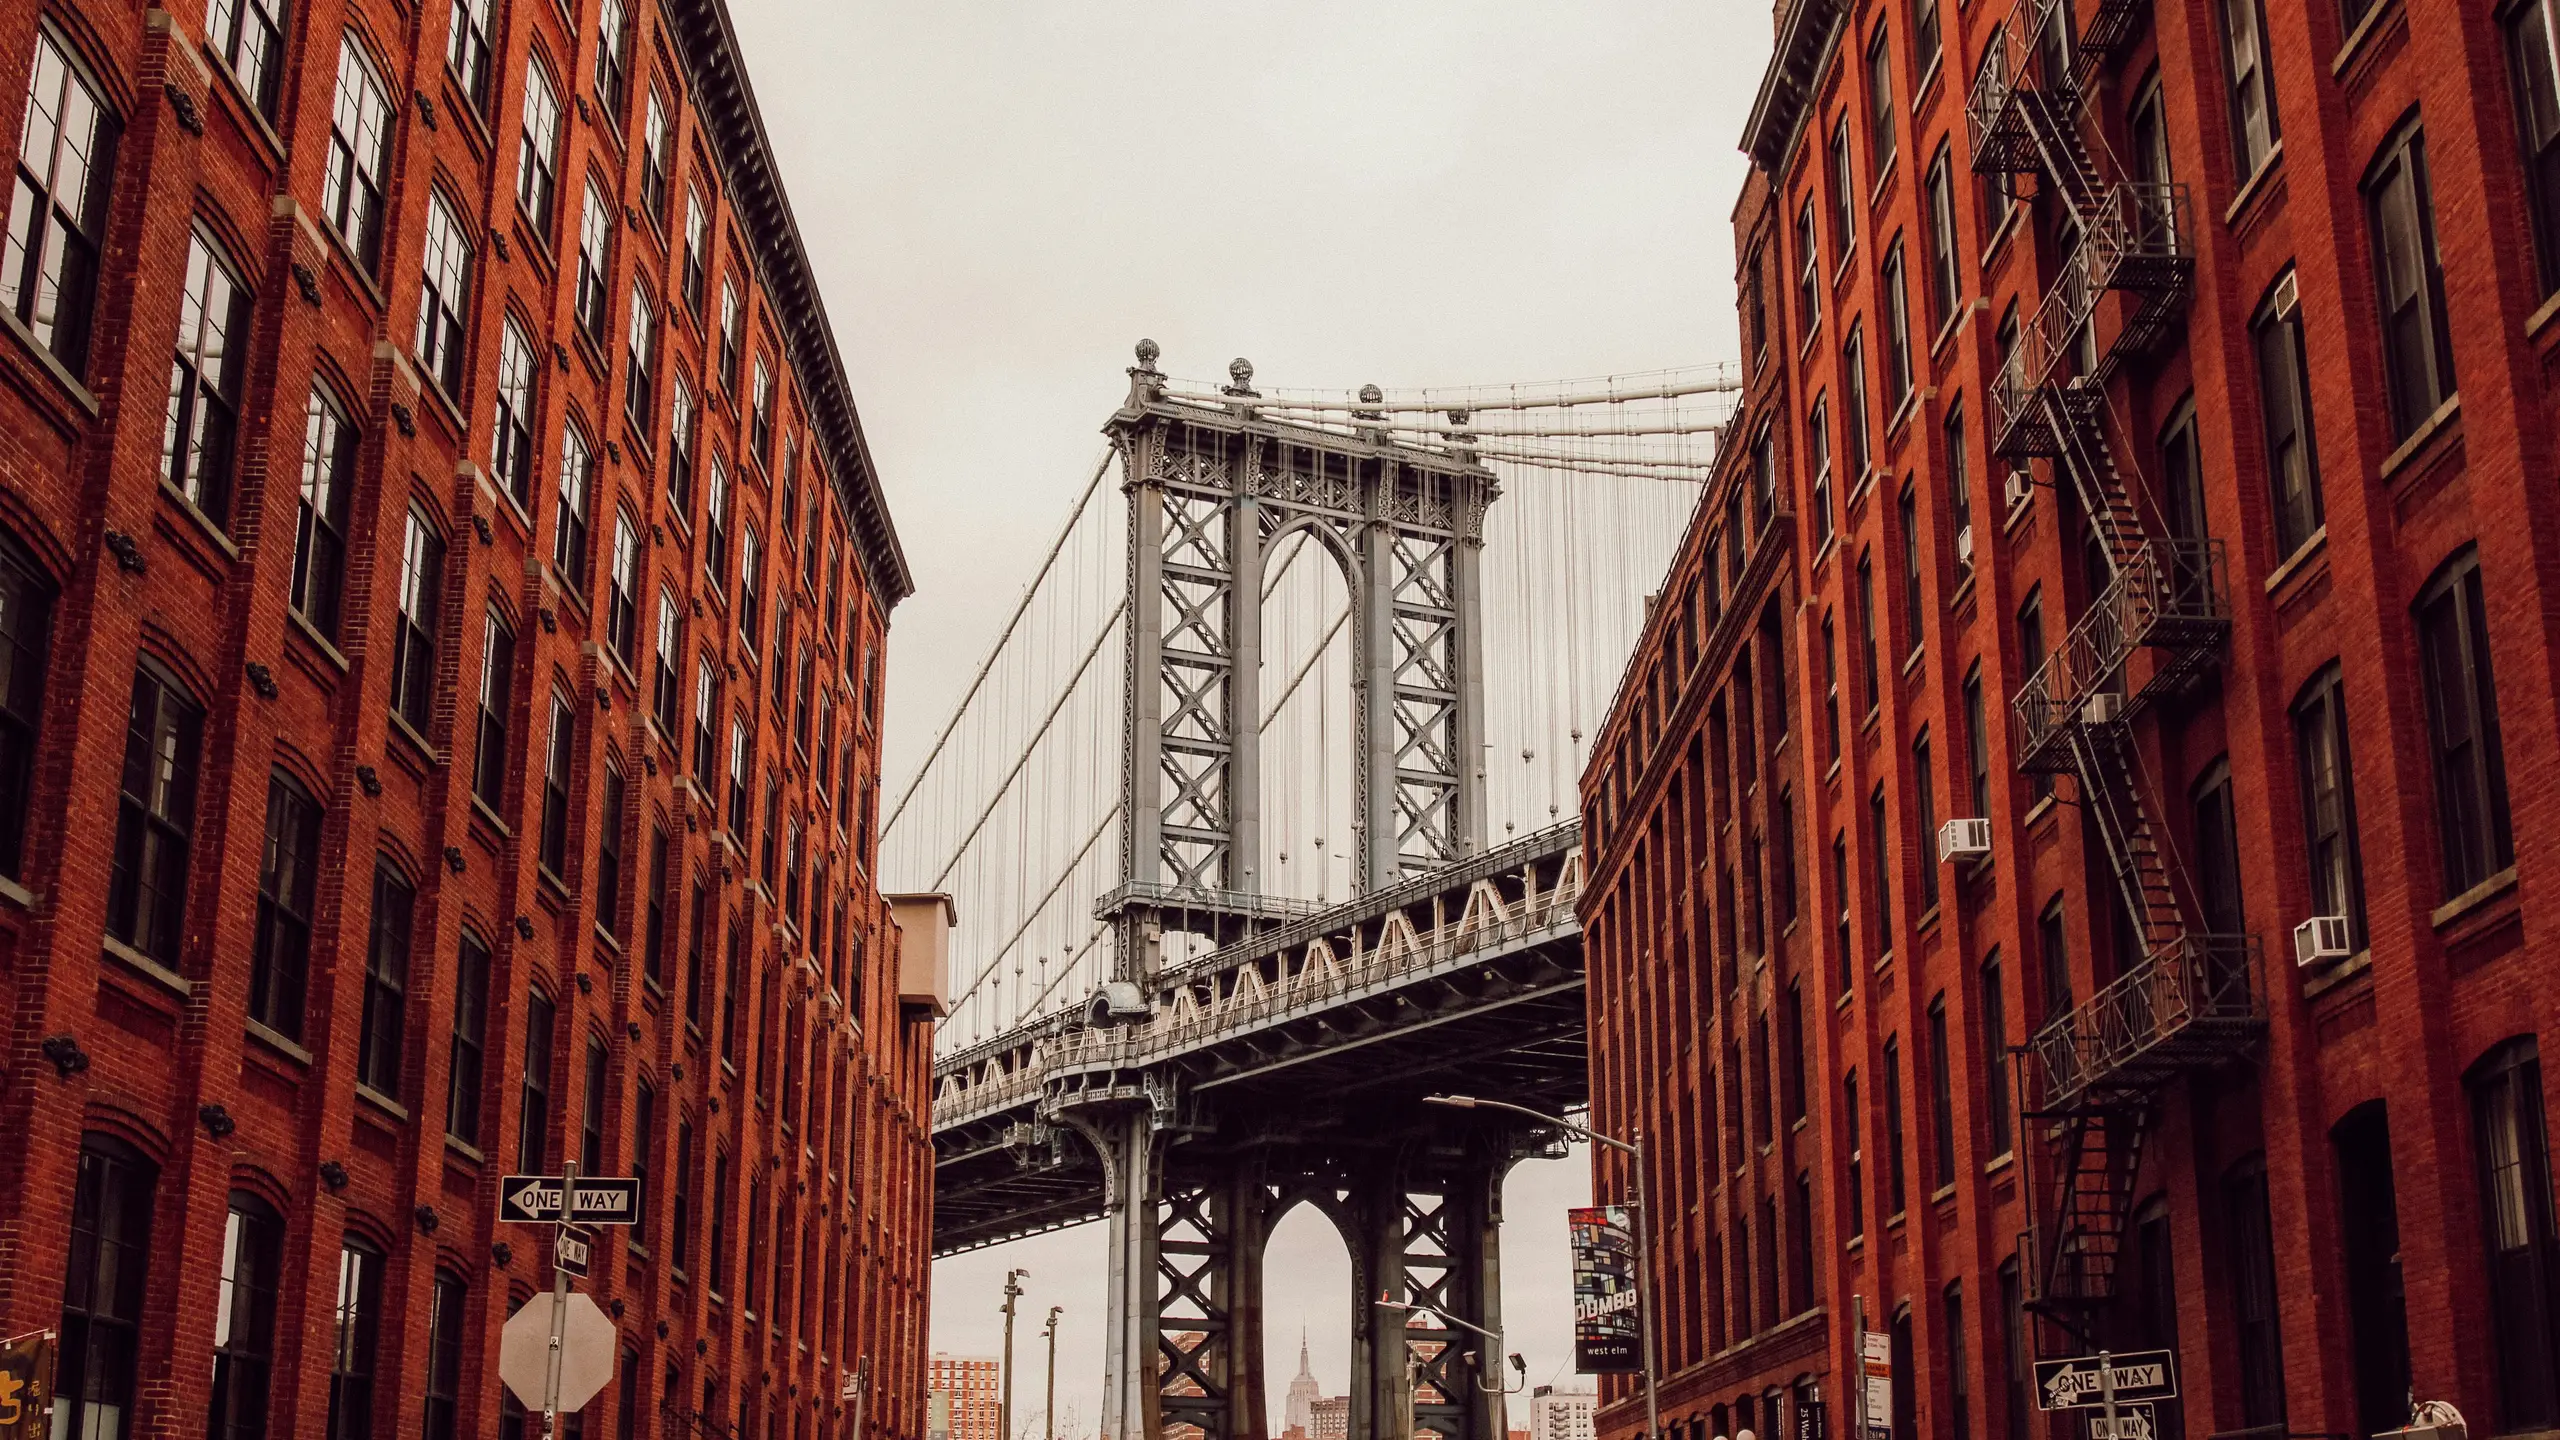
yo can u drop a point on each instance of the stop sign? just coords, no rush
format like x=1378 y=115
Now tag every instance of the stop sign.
x=586 y=1351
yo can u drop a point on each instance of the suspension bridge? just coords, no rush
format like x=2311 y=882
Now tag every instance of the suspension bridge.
x=1344 y=648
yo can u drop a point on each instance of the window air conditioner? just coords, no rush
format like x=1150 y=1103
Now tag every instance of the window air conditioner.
x=1964 y=545
x=2322 y=940
x=1964 y=840
x=2288 y=296
x=2018 y=489
x=2104 y=708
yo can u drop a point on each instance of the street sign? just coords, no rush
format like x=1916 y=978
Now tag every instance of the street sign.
x=574 y=1249
x=2132 y=1422
x=1876 y=1353
x=2078 y=1382
x=602 y=1199
x=26 y=1386
x=586 y=1352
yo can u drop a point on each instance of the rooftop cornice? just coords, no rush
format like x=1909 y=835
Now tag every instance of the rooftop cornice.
x=1805 y=41
x=726 y=102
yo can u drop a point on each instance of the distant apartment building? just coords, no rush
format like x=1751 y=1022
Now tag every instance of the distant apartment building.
x=1330 y=1418
x=961 y=1397
x=1556 y=1414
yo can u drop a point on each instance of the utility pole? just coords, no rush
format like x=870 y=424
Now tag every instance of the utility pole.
x=1004 y=1406
x=1049 y=1404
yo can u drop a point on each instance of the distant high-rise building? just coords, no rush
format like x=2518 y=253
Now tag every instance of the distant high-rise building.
x=1560 y=1414
x=1304 y=1394
x=961 y=1397
x=1330 y=1418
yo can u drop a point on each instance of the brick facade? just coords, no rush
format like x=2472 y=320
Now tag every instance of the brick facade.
x=2261 y=1232
x=745 y=985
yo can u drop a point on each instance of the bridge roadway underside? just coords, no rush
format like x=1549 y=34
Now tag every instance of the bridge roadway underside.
x=1330 y=1093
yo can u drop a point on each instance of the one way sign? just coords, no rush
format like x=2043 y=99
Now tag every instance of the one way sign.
x=602 y=1199
x=2082 y=1380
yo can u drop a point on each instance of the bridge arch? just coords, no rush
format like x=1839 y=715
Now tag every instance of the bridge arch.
x=1308 y=786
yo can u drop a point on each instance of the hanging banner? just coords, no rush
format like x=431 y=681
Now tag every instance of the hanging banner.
x=1605 y=1297
x=26 y=1386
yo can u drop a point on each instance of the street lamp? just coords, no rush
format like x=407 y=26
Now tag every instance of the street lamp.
x=1517 y=1364
x=1633 y=1149
x=1004 y=1409
x=1049 y=1407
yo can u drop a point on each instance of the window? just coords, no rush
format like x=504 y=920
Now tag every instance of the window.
x=352 y=1353
x=608 y=887
x=2030 y=661
x=771 y=853
x=613 y=62
x=732 y=317
x=558 y=755
x=680 y=450
x=444 y=297
x=1904 y=1387
x=470 y=1041
x=2531 y=65
x=1907 y=518
x=102 y=1294
x=2369 y=1236
x=1870 y=673
x=155 y=817
x=382 y=1043
x=204 y=382
x=2462 y=719
x=1817 y=438
x=2284 y=388
x=750 y=586
x=1959 y=1383
x=2417 y=345
x=511 y=437
x=413 y=648
x=1853 y=406
x=2253 y=89
x=1977 y=748
x=1942 y=1097
x=2055 y=951
x=26 y=617
x=1844 y=197
x=697 y=251
x=715 y=526
x=2510 y=1143
x=665 y=689
x=1995 y=1054
x=639 y=366
x=328 y=484
x=537 y=165
x=706 y=712
x=2323 y=771
x=1782 y=858
x=680 y=1221
x=533 y=1093
x=249 y=36
x=1893 y=1182
x=360 y=121
x=1808 y=272
x=497 y=678
x=1945 y=286
x=1897 y=332
x=741 y=757
x=2250 y=1254
x=446 y=1302
x=654 y=141
x=622 y=592
x=654 y=931
x=1924 y=794
x=591 y=1111
x=2016 y=1344
x=466 y=49
x=1855 y=1121
x=760 y=414
x=2147 y=127
x=1880 y=136
x=58 y=213
x=280 y=959
x=719 y=1242
x=569 y=528
x=244 y=1318
x=595 y=262
x=732 y=985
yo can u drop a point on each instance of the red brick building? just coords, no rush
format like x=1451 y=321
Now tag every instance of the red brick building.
x=2064 y=872
x=444 y=586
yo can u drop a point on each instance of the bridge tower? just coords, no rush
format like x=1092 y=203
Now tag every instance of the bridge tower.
x=1211 y=489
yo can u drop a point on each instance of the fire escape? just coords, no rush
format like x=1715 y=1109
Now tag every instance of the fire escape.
x=2091 y=1078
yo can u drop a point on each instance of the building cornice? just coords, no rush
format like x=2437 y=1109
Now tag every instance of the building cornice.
x=1805 y=41
x=726 y=102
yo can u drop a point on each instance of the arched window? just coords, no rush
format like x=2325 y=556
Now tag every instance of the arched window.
x=26 y=635
x=2511 y=1148
x=103 y=1293
x=244 y=1319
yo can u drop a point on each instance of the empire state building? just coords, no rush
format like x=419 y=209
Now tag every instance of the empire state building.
x=1303 y=1395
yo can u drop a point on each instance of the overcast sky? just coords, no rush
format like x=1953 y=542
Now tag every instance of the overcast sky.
x=1000 y=199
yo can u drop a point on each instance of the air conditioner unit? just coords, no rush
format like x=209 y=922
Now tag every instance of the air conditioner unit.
x=1964 y=840
x=2104 y=708
x=2018 y=489
x=2322 y=940
x=2288 y=296
x=1964 y=544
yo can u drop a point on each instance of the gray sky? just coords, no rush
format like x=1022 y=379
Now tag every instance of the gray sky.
x=1001 y=198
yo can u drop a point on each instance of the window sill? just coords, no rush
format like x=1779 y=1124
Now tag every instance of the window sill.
x=1912 y=661
x=401 y=727
x=177 y=985
x=328 y=651
x=280 y=1043
x=62 y=376
x=2038 y=811
x=465 y=1149
x=2006 y=1159
x=1942 y=1196
x=2541 y=320
x=384 y=1103
x=211 y=527
x=2421 y=438
x=355 y=268
x=2356 y=42
x=246 y=108
x=19 y=896
x=2312 y=547
x=2472 y=899
x=480 y=811
x=2258 y=184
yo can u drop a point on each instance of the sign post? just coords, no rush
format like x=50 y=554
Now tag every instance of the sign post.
x=559 y=1301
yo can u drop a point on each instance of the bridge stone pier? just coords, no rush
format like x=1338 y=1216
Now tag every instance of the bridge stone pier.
x=1282 y=1056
